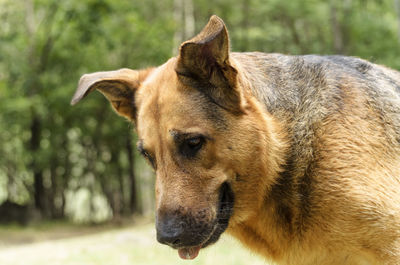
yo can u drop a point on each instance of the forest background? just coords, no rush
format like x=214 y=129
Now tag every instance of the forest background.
x=80 y=163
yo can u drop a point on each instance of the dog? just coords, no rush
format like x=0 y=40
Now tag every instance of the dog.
x=296 y=156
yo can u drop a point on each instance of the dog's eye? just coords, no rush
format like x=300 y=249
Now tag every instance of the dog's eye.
x=191 y=146
x=149 y=158
x=194 y=142
x=146 y=154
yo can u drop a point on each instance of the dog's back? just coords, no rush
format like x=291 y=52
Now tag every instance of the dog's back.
x=289 y=83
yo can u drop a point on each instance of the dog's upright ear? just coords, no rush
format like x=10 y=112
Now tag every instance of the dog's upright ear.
x=119 y=87
x=203 y=63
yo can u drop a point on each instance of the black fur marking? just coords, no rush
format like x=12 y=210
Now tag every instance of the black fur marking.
x=220 y=94
x=286 y=214
x=304 y=191
x=363 y=67
x=283 y=191
x=225 y=211
x=239 y=178
x=214 y=113
x=292 y=195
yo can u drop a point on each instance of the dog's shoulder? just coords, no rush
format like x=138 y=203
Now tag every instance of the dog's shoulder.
x=305 y=93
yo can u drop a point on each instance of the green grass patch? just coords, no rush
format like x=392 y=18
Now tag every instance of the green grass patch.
x=130 y=245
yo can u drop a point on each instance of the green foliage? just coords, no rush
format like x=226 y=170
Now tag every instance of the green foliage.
x=49 y=150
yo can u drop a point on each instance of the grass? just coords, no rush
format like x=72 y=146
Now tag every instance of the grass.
x=133 y=245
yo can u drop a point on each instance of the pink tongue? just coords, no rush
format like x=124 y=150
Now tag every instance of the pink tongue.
x=189 y=253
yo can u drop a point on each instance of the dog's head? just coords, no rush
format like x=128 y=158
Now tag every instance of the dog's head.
x=209 y=142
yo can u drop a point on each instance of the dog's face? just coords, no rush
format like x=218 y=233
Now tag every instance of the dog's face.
x=179 y=133
x=204 y=138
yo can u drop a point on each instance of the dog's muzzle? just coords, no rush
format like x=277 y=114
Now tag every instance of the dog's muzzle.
x=189 y=233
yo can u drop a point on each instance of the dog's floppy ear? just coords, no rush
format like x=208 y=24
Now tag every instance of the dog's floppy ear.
x=119 y=87
x=203 y=63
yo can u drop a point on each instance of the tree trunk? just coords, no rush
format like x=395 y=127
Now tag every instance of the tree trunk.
x=245 y=25
x=65 y=176
x=178 y=17
x=36 y=127
x=38 y=62
x=336 y=28
x=185 y=22
x=117 y=189
x=39 y=190
x=189 y=20
x=347 y=11
x=52 y=192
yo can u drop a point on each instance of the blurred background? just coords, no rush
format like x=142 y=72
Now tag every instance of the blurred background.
x=70 y=174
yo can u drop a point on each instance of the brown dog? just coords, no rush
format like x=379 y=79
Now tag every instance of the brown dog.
x=296 y=156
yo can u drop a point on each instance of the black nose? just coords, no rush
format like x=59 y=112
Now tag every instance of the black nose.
x=171 y=230
x=181 y=229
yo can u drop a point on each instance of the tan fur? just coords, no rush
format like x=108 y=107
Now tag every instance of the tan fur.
x=356 y=220
x=315 y=175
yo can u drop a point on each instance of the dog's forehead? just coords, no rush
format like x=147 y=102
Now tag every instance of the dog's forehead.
x=164 y=103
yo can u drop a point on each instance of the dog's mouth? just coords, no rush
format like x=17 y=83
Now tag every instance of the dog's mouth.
x=225 y=210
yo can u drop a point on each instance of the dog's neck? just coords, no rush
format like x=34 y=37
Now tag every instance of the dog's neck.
x=283 y=209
